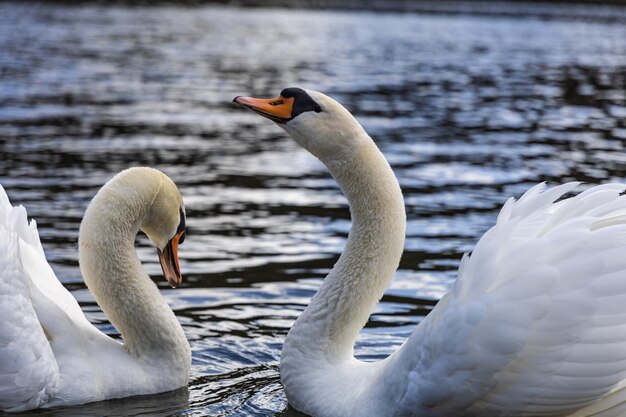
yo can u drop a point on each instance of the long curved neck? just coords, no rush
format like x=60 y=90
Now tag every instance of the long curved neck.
x=114 y=275
x=331 y=323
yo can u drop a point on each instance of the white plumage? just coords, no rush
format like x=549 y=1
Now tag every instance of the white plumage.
x=536 y=321
x=50 y=354
x=29 y=372
x=535 y=324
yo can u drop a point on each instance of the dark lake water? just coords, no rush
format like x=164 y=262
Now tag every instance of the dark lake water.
x=469 y=110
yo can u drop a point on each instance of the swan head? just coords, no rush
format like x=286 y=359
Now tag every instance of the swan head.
x=315 y=121
x=165 y=226
x=150 y=199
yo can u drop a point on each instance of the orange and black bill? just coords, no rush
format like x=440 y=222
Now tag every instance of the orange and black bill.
x=169 y=260
x=279 y=109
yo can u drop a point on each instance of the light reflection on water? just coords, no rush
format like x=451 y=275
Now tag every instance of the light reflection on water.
x=468 y=110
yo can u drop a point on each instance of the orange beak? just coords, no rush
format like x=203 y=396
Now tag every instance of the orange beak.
x=277 y=109
x=168 y=258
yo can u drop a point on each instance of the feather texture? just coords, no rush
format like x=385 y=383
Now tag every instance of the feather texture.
x=536 y=322
x=29 y=374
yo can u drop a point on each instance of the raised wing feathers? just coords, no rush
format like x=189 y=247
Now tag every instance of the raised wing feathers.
x=29 y=374
x=536 y=321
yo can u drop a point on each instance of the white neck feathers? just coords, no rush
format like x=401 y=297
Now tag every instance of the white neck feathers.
x=329 y=326
x=114 y=275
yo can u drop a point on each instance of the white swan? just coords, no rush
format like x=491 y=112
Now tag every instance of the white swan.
x=535 y=324
x=50 y=355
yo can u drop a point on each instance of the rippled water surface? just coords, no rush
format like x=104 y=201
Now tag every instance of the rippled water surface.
x=468 y=110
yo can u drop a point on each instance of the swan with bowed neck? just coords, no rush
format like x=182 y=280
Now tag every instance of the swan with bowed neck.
x=535 y=324
x=50 y=355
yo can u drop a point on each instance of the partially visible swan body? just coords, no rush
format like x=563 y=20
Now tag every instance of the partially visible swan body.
x=50 y=355
x=535 y=324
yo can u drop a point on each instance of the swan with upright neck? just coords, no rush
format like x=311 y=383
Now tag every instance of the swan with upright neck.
x=50 y=355
x=533 y=326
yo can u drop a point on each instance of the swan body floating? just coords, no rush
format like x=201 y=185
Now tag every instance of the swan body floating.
x=50 y=355
x=535 y=324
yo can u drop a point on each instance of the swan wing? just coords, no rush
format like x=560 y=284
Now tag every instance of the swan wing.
x=536 y=322
x=40 y=318
x=29 y=374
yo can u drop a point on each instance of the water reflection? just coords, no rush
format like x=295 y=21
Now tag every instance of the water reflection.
x=469 y=110
x=162 y=405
